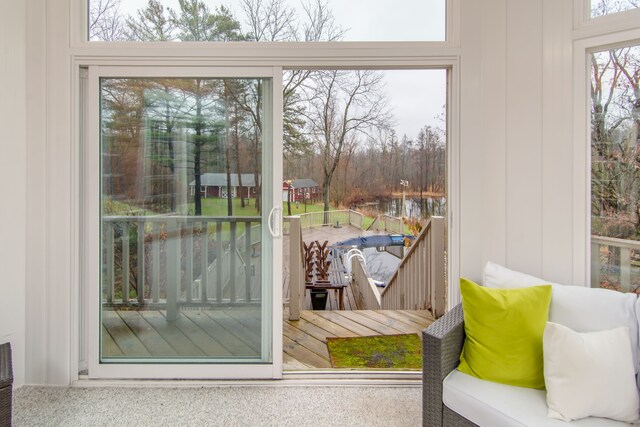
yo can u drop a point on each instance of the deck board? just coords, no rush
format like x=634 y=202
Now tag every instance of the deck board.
x=332 y=328
x=304 y=355
x=386 y=319
x=319 y=325
x=355 y=327
x=396 y=315
x=232 y=332
x=200 y=338
x=172 y=334
x=236 y=328
x=229 y=341
x=150 y=338
x=370 y=323
x=109 y=346
x=126 y=340
x=319 y=347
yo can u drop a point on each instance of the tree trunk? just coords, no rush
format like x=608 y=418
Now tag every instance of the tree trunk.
x=197 y=152
x=236 y=143
x=227 y=157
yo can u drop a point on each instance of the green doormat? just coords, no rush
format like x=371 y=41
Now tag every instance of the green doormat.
x=378 y=352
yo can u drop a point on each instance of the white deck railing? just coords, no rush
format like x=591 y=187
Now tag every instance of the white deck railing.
x=419 y=282
x=180 y=261
x=387 y=223
x=622 y=263
x=296 y=268
x=322 y=218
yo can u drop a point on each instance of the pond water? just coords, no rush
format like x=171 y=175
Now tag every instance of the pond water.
x=414 y=207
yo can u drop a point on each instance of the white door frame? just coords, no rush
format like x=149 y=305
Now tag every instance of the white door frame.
x=90 y=207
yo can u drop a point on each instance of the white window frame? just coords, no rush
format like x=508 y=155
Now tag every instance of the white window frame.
x=608 y=32
x=587 y=27
x=91 y=205
x=282 y=55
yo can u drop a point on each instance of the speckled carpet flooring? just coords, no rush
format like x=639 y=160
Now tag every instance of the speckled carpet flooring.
x=218 y=406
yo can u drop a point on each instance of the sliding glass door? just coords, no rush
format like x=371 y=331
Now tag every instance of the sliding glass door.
x=183 y=223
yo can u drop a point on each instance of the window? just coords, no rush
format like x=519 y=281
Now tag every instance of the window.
x=607 y=7
x=266 y=20
x=615 y=168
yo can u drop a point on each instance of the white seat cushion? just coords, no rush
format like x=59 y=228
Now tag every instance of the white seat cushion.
x=578 y=308
x=497 y=405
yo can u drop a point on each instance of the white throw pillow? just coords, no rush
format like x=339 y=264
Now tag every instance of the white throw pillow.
x=579 y=308
x=589 y=374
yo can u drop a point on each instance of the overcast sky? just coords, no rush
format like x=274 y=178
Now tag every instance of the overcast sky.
x=416 y=97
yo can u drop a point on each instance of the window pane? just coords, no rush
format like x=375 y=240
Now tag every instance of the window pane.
x=267 y=20
x=181 y=220
x=615 y=168
x=607 y=7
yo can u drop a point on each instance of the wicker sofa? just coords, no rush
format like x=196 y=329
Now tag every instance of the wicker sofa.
x=6 y=384
x=452 y=398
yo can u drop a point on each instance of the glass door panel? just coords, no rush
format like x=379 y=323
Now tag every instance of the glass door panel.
x=183 y=222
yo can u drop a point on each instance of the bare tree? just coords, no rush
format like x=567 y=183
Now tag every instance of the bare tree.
x=343 y=103
x=105 y=21
x=615 y=144
x=320 y=24
x=269 y=20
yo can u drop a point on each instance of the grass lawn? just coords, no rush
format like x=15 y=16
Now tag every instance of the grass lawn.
x=214 y=206
x=311 y=207
x=217 y=207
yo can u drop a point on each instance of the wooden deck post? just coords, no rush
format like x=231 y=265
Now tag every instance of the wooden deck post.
x=295 y=267
x=595 y=265
x=438 y=278
x=173 y=268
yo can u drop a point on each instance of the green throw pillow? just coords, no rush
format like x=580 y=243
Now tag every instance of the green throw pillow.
x=504 y=329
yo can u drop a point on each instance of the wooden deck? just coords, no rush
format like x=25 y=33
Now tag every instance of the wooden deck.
x=225 y=333
x=305 y=340
x=220 y=333
x=235 y=332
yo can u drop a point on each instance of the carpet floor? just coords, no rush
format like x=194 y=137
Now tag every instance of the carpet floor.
x=218 y=406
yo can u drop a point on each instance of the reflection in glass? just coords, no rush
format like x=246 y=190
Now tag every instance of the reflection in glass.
x=181 y=223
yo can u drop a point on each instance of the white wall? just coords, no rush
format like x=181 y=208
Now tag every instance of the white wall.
x=516 y=141
x=516 y=162
x=13 y=182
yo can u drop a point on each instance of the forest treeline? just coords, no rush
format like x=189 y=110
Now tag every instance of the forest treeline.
x=161 y=134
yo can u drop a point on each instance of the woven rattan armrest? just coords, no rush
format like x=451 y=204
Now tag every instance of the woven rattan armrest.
x=442 y=343
x=6 y=384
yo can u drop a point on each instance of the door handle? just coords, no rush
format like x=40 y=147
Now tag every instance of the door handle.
x=273 y=221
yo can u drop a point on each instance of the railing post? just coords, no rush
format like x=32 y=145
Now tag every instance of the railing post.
x=219 y=257
x=125 y=261
x=173 y=268
x=232 y=261
x=204 y=260
x=247 y=260
x=625 y=269
x=141 y=262
x=155 y=268
x=188 y=248
x=595 y=265
x=295 y=267
x=439 y=285
x=110 y=261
